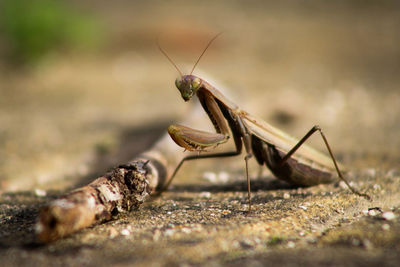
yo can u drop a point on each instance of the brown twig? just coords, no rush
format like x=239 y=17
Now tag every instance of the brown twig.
x=122 y=189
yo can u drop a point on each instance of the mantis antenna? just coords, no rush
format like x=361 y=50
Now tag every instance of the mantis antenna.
x=170 y=60
x=173 y=63
x=205 y=49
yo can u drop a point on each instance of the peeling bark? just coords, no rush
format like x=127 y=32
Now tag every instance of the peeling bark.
x=122 y=189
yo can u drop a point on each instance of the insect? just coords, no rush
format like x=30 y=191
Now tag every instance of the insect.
x=269 y=145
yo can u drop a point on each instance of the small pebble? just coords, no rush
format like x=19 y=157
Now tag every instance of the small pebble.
x=226 y=212
x=205 y=195
x=342 y=185
x=235 y=244
x=367 y=244
x=388 y=215
x=125 y=232
x=186 y=230
x=112 y=232
x=291 y=244
x=40 y=192
x=210 y=176
x=286 y=195
x=303 y=207
x=223 y=177
x=373 y=212
x=169 y=232
x=385 y=227
x=377 y=186
x=156 y=235
x=39 y=228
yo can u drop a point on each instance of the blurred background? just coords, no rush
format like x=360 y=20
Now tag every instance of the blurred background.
x=83 y=86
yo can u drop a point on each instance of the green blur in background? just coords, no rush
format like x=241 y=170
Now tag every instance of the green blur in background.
x=32 y=29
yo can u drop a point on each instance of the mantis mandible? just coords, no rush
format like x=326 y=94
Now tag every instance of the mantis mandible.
x=269 y=145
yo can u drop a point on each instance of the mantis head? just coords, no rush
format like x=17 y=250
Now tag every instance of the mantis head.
x=188 y=86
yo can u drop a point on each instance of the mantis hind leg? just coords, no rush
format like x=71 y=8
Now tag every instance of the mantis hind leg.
x=340 y=175
x=246 y=138
x=246 y=158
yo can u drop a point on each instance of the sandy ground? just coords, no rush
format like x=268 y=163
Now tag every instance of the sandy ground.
x=73 y=116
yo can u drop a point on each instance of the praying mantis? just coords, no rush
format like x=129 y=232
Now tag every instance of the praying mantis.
x=269 y=145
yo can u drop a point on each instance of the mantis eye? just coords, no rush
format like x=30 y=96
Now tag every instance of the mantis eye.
x=196 y=83
x=178 y=83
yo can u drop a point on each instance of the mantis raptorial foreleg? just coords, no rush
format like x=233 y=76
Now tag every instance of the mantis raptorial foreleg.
x=195 y=140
